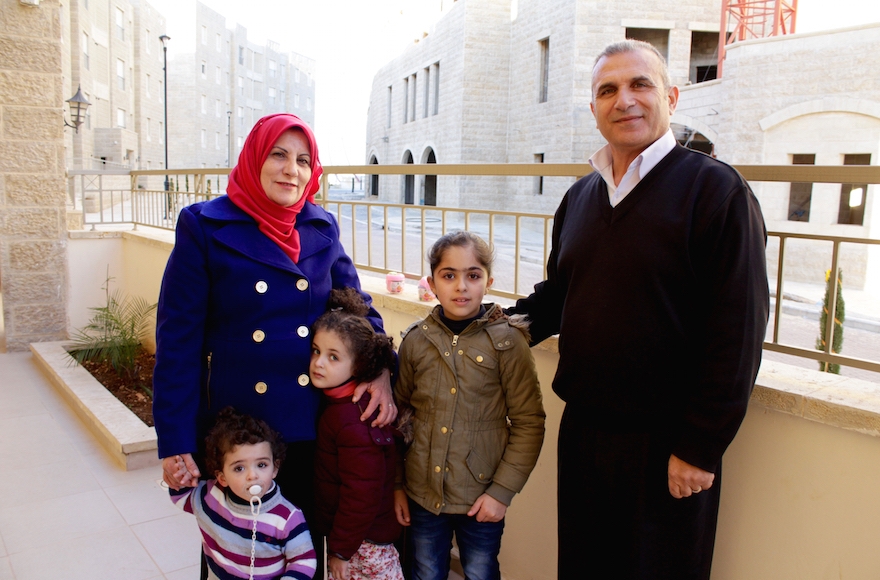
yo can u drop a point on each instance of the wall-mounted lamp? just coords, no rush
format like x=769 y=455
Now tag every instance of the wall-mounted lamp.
x=78 y=105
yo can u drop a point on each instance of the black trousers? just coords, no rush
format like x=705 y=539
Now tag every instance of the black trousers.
x=296 y=478
x=616 y=516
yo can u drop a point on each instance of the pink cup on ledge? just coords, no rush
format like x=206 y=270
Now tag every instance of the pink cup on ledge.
x=394 y=282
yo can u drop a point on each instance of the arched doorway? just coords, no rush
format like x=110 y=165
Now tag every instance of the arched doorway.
x=430 y=197
x=374 y=179
x=693 y=139
x=409 y=182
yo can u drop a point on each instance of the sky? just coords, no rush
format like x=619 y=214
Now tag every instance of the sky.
x=351 y=40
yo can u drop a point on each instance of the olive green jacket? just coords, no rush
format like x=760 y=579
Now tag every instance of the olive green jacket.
x=478 y=422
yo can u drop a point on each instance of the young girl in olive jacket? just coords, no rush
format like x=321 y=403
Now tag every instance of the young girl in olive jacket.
x=478 y=421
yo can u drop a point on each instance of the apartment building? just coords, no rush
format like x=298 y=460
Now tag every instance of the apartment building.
x=219 y=84
x=502 y=82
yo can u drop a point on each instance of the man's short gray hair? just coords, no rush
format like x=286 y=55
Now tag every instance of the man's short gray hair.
x=630 y=45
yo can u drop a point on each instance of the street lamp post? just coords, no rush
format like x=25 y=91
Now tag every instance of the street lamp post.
x=165 y=38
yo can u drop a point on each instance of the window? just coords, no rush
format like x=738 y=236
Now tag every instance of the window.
x=147 y=44
x=204 y=69
x=216 y=107
x=239 y=141
x=161 y=132
x=218 y=43
x=204 y=102
x=296 y=101
x=120 y=74
x=271 y=96
x=205 y=35
x=427 y=77
x=149 y=131
x=217 y=140
x=412 y=111
x=436 y=88
x=544 y=79
x=147 y=85
x=405 y=100
x=852 y=195
x=85 y=49
x=539 y=180
x=801 y=193
x=204 y=138
x=272 y=67
x=120 y=24
x=241 y=86
x=388 y=121
x=217 y=75
x=120 y=118
x=308 y=103
x=240 y=55
x=161 y=91
x=241 y=112
x=296 y=75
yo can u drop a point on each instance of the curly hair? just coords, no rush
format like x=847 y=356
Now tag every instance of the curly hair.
x=233 y=429
x=371 y=351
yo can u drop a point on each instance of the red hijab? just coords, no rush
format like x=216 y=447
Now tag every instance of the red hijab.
x=245 y=191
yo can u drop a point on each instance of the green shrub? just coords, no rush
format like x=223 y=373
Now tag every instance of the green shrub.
x=114 y=333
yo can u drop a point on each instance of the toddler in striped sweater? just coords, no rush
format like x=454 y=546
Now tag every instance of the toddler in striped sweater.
x=243 y=452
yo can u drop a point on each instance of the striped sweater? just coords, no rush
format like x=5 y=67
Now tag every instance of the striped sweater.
x=284 y=546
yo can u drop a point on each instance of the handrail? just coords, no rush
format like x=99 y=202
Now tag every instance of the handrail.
x=523 y=237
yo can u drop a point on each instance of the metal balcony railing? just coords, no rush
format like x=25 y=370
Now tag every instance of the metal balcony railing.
x=384 y=237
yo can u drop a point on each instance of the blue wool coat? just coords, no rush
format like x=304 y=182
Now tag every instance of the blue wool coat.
x=234 y=322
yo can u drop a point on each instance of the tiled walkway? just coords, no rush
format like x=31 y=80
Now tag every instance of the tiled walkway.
x=67 y=511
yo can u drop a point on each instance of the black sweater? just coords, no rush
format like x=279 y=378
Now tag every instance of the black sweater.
x=660 y=303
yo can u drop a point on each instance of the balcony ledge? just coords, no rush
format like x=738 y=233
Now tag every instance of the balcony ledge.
x=830 y=399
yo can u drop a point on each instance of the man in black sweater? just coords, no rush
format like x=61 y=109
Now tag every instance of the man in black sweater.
x=657 y=286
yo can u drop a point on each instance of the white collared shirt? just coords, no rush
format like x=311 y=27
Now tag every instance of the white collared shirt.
x=637 y=170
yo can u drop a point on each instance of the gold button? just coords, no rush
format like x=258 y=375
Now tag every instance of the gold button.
x=507 y=342
x=447 y=470
x=482 y=476
x=445 y=354
x=303 y=380
x=437 y=505
x=452 y=390
x=460 y=352
x=479 y=359
x=261 y=387
x=261 y=287
x=443 y=429
x=500 y=345
x=303 y=331
x=437 y=468
x=259 y=336
x=424 y=327
x=302 y=284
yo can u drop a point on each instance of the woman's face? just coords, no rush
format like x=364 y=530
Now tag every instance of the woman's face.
x=287 y=169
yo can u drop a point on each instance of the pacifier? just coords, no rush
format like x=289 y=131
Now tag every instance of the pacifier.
x=255 y=489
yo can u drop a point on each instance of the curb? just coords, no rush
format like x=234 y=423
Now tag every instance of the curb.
x=125 y=437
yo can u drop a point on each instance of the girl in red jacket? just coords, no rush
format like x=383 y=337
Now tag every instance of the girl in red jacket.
x=355 y=463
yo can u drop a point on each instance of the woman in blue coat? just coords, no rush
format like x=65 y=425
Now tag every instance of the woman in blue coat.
x=249 y=274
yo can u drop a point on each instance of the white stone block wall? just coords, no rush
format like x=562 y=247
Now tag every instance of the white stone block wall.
x=33 y=232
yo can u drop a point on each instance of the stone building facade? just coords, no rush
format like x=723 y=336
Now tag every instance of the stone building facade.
x=33 y=230
x=514 y=87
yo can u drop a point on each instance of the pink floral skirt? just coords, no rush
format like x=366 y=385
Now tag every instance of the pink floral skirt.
x=375 y=562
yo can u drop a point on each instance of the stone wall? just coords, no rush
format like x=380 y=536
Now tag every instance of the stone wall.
x=33 y=232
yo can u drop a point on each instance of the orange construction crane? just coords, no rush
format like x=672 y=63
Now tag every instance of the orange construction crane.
x=747 y=19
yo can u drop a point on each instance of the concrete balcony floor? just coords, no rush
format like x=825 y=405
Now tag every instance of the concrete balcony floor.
x=67 y=510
